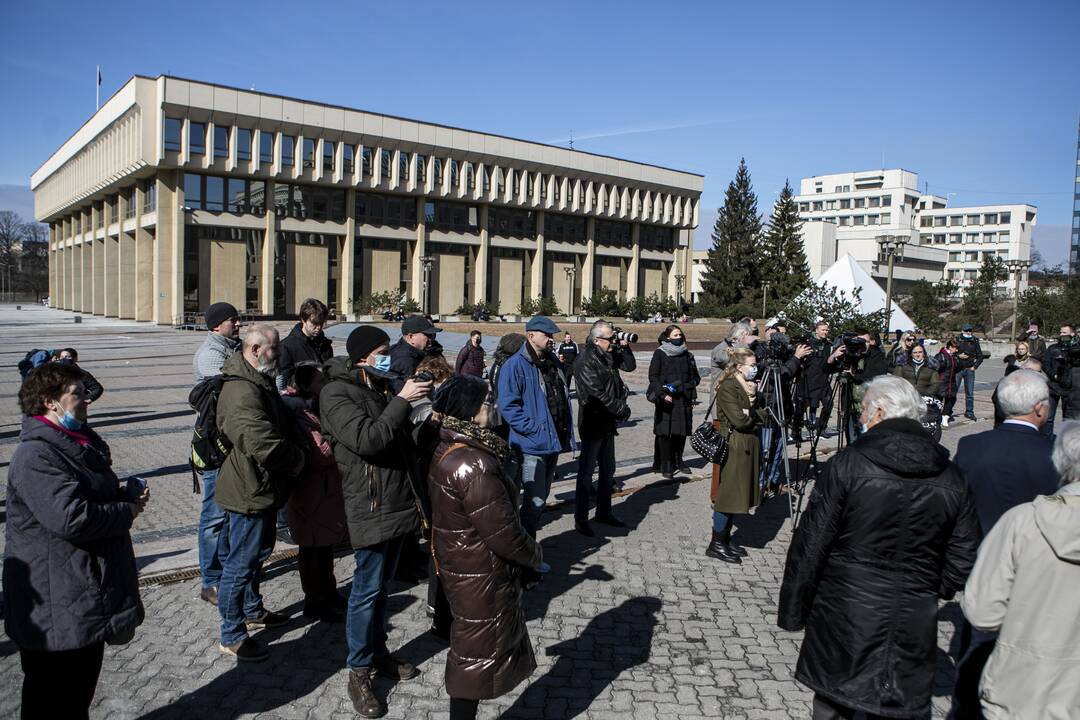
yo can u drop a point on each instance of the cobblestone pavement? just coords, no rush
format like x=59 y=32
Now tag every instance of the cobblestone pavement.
x=636 y=623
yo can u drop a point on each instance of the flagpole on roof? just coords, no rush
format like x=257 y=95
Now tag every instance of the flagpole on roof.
x=97 y=90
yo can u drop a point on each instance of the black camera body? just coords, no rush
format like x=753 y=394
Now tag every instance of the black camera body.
x=772 y=352
x=855 y=348
x=423 y=376
x=623 y=336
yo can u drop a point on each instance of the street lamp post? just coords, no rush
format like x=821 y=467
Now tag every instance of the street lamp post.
x=764 y=297
x=679 y=279
x=1017 y=268
x=892 y=246
x=570 y=273
x=427 y=261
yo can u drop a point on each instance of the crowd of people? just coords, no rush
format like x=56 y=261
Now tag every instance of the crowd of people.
x=388 y=448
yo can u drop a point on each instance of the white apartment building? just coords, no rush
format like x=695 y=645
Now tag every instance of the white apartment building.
x=848 y=212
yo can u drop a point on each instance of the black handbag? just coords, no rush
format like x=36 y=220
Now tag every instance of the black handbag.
x=709 y=443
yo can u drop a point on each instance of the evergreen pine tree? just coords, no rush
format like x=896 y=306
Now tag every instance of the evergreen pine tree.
x=731 y=275
x=783 y=261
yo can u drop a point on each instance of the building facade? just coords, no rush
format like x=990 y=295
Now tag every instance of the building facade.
x=179 y=193
x=1074 y=245
x=849 y=212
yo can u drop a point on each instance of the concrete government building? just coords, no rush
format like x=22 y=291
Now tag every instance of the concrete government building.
x=178 y=193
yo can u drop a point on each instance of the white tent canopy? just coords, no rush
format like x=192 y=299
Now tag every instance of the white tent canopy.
x=846 y=275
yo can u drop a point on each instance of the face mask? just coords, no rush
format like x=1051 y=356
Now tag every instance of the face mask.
x=66 y=361
x=864 y=428
x=676 y=341
x=1033 y=334
x=750 y=373
x=917 y=362
x=382 y=363
x=70 y=422
x=1065 y=339
x=967 y=335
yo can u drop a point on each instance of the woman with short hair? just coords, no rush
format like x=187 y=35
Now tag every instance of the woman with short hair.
x=70 y=581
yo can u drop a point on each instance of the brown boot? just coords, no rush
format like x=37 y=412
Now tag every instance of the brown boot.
x=362 y=694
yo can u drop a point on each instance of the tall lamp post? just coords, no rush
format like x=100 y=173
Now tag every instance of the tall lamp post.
x=427 y=261
x=891 y=246
x=1017 y=268
x=679 y=280
x=570 y=273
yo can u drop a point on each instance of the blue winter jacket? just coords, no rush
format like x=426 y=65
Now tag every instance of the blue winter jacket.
x=523 y=405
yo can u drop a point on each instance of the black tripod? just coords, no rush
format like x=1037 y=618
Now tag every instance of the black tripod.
x=840 y=389
x=772 y=384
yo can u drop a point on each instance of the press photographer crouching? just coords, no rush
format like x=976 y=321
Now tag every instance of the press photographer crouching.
x=858 y=358
x=779 y=365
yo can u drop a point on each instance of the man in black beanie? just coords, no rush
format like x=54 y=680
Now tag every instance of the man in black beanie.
x=368 y=427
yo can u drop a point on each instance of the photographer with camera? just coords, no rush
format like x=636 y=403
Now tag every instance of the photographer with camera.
x=739 y=336
x=779 y=364
x=812 y=386
x=1062 y=365
x=968 y=360
x=602 y=406
x=673 y=381
x=859 y=359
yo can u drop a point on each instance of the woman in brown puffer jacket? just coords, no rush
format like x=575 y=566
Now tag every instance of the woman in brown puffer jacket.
x=481 y=551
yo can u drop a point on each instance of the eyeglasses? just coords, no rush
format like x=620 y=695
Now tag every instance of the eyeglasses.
x=609 y=338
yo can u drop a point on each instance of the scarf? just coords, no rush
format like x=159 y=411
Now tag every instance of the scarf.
x=498 y=447
x=554 y=392
x=673 y=350
x=82 y=438
x=748 y=385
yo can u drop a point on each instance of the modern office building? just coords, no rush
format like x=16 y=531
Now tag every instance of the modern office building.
x=1074 y=247
x=849 y=212
x=178 y=193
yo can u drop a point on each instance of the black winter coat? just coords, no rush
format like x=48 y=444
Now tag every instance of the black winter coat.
x=369 y=433
x=971 y=348
x=923 y=378
x=69 y=568
x=1064 y=376
x=674 y=418
x=601 y=391
x=813 y=384
x=297 y=348
x=889 y=530
x=470 y=360
x=403 y=360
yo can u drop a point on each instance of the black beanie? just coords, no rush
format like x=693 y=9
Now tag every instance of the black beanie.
x=218 y=313
x=363 y=340
x=461 y=397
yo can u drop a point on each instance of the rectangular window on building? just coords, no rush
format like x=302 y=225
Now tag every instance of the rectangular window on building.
x=858 y=220
x=470 y=177
x=837 y=188
x=453 y=174
x=403 y=167
x=860 y=202
x=818 y=205
x=347 y=153
x=830 y=204
x=956 y=238
x=172 y=134
x=843 y=220
x=845 y=204
x=939 y=221
x=971 y=256
x=500 y=181
x=956 y=220
x=989 y=237
x=954 y=257
x=871 y=219
x=385 y=165
x=846 y=188
x=257 y=196
x=365 y=162
x=972 y=237
x=149 y=195
x=236 y=195
x=197 y=138
x=804 y=207
x=266 y=148
x=886 y=218
x=129 y=203
x=243 y=144
x=1003 y=238
x=886 y=201
x=972 y=219
x=421 y=168
x=926 y=239
x=1005 y=218
x=874 y=201
x=990 y=219
x=221 y=141
x=487 y=181
x=309 y=152
x=939 y=239
x=328 y=151
x=215 y=194
x=436 y=172
x=288 y=150
x=193 y=191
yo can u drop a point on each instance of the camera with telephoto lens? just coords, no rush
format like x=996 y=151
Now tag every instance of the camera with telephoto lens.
x=621 y=335
x=423 y=376
x=772 y=352
x=855 y=348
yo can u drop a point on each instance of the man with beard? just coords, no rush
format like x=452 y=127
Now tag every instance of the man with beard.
x=267 y=454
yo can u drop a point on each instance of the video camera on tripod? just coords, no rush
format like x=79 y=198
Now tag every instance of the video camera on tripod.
x=855 y=349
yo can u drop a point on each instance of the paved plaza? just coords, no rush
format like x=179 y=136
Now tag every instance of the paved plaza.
x=635 y=623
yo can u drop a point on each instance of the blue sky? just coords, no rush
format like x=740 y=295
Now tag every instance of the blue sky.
x=980 y=98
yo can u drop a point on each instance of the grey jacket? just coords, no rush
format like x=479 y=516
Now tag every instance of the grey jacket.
x=212 y=354
x=69 y=568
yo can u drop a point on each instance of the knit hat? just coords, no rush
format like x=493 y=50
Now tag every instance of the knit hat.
x=363 y=340
x=461 y=397
x=218 y=313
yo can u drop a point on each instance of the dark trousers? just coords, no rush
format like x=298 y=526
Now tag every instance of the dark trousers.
x=60 y=684
x=975 y=649
x=949 y=403
x=826 y=709
x=316 y=566
x=593 y=453
x=668 y=453
x=462 y=709
x=438 y=604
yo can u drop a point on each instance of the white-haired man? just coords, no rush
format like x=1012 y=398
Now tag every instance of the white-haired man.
x=740 y=335
x=1004 y=467
x=889 y=531
x=1024 y=586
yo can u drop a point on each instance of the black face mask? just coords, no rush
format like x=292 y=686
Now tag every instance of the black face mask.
x=676 y=341
x=1066 y=339
x=66 y=361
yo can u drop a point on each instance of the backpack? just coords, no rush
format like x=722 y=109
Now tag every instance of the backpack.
x=28 y=362
x=209 y=446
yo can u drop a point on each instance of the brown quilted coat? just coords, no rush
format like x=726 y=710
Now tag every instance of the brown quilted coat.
x=480 y=548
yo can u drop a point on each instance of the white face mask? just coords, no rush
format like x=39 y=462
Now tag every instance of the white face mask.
x=750 y=372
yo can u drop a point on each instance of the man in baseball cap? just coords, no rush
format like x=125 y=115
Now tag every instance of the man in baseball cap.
x=417 y=333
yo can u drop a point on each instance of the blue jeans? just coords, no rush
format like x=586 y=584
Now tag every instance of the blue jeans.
x=721 y=521
x=251 y=540
x=537 y=474
x=770 y=466
x=595 y=452
x=365 y=623
x=967 y=378
x=213 y=541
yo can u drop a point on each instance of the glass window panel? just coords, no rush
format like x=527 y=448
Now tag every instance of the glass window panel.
x=328 y=151
x=197 y=138
x=215 y=193
x=172 y=134
x=347 y=152
x=193 y=194
x=288 y=150
x=365 y=169
x=237 y=195
x=403 y=167
x=243 y=144
x=266 y=147
x=257 y=196
x=421 y=168
x=385 y=166
x=221 y=141
x=309 y=152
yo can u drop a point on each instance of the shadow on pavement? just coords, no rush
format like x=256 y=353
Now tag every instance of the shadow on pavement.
x=613 y=642
x=761 y=528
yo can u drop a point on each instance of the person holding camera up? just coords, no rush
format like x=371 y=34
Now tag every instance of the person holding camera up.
x=813 y=384
x=601 y=407
x=776 y=359
x=859 y=359
x=1063 y=368
x=968 y=360
x=673 y=381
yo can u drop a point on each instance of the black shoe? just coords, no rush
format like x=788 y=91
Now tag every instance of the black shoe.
x=389 y=666
x=442 y=634
x=684 y=470
x=584 y=528
x=209 y=594
x=971 y=417
x=723 y=553
x=266 y=620
x=362 y=694
x=668 y=475
x=337 y=602
x=609 y=519
x=737 y=550
x=322 y=613
x=283 y=535
x=247 y=650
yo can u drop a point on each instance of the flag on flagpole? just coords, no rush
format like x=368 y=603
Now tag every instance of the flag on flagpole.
x=97 y=91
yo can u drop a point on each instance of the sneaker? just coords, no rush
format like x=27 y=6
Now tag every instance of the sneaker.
x=945 y=421
x=208 y=594
x=266 y=620
x=363 y=695
x=389 y=666
x=247 y=650
x=609 y=519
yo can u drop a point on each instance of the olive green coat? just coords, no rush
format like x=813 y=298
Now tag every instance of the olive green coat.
x=268 y=448
x=738 y=488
